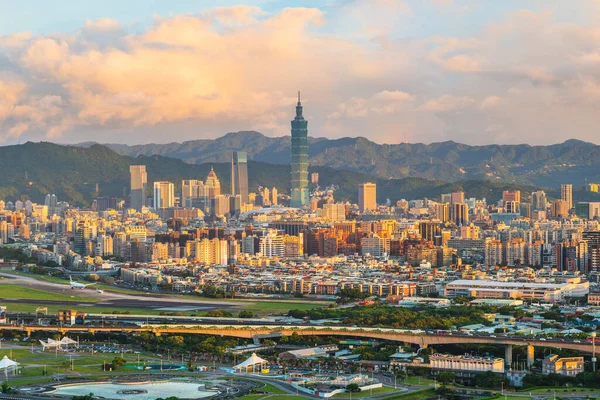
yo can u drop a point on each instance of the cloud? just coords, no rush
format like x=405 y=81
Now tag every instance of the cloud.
x=447 y=103
x=524 y=76
x=382 y=103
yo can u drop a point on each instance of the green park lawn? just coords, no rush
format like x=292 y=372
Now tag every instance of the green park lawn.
x=417 y=381
x=418 y=395
x=270 y=397
x=559 y=390
x=21 y=292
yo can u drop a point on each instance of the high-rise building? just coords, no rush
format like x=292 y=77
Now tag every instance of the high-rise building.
x=314 y=178
x=566 y=194
x=442 y=212
x=299 y=159
x=461 y=214
x=538 y=200
x=239 y=175
x=190 y=190
x=367 y=197
x=457 y=197
x=164 y=195
x=274 y=196
x=51 y=202
x=139 y=182
x=560 y=208
x=213 y=184
x=511 y=195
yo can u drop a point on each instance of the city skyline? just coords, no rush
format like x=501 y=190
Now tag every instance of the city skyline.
x=406 y=248
x=425 y=72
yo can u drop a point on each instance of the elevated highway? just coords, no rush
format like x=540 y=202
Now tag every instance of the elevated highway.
x=419 y=338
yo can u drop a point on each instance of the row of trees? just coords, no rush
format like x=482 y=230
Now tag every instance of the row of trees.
x=399 y=317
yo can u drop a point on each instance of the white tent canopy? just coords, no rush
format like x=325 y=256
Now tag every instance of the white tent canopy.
x=250 y=364
x=51 y=343
x=7 y=364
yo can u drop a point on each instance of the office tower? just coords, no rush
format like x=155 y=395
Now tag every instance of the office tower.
x=461 y=214
x=213 y=184
x=335 y=212
x=566 y=194
x=525 y=210
x=221 y=204
x=442 y=212
x=367 y=197
x=239 y=175
x=235 y=204
x=560 y=208
x=164 y=195
x=50 y=202
x=511 y=195
x=538 y=200
x=314 y=178
x=512 y=207
x=191 y=191
x=457 y=197
x=139 y=181
x=429 y=229
x=299 y=159
x=274 y=196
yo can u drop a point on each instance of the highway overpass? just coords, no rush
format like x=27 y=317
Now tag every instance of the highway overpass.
x=419 y=338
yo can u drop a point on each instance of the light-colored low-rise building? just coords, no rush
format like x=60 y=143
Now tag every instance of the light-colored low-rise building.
x=567 y=366
x=449 y=362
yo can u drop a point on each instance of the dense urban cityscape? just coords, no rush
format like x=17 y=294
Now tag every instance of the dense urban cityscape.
x=404 y=245
x=516 y=275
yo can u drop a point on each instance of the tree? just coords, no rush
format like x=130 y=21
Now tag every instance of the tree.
x=5 y=388
x=246 y=314
x=353 y=387
x=444 y=378
x=84 y=397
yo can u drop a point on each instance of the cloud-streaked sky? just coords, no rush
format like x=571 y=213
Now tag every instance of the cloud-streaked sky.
x=139 y=71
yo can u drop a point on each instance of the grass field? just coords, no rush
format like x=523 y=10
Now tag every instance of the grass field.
x=550 y=390
x=417 y=381
x=418 y=395
x=21 y=292
x=270 y=397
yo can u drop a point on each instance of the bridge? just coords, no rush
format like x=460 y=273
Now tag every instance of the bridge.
x=419 y=338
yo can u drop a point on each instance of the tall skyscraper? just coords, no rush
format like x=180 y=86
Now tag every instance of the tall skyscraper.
x=190 y=190
x=164 y=195
x=51 y=202
x=461 y=214
x=239 y=175
x=566 y=194
x=367 y=197
x=299 y=159
x=538 y=200
x=139 y=182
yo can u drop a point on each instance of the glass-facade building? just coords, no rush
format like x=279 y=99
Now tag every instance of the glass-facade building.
x=239 y=175
x=299 y=159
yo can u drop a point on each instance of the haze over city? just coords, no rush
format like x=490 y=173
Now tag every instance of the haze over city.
x=389 y=70
x=285 y=199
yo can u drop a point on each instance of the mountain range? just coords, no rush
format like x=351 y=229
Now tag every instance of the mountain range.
x=573 y=161
x=72 y=173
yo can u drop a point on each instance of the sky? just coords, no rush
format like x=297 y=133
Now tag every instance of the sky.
x=142 y=71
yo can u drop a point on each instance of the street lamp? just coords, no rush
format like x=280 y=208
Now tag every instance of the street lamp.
x=594 y=351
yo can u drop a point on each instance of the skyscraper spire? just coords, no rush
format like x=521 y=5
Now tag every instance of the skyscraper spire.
x=299 y=108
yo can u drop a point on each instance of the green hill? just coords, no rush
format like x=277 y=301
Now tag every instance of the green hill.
x=35 y=169
x=573 y=161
